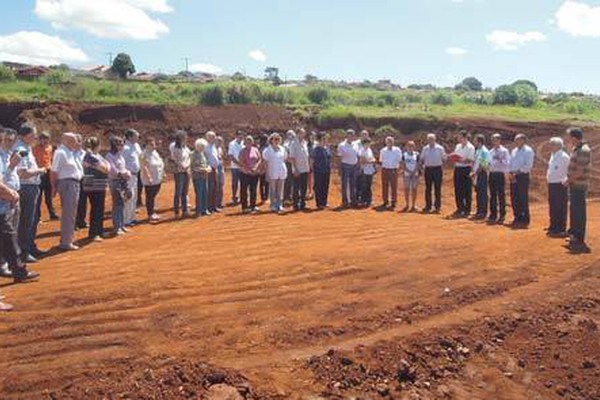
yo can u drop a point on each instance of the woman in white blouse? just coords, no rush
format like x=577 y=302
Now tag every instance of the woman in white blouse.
x=275 y=156
x=153 y=171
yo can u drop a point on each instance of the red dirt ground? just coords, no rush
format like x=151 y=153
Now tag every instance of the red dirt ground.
x=357 y=304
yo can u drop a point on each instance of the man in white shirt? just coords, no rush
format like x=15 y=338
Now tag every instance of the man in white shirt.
x=212 y=156
x=433 y=158
x=348 y=153
x=464 y=156
x=233 y=153
x=66 y=174
x=390 y=158
x=499 y=167
x=300 y=161
x=558 y=194
x=132 y=152
x=480 y=175
x=521 y=164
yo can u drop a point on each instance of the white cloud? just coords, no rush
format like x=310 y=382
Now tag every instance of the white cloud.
x=456 y=51
x=579 y=19
x=508 y=40
x=32 y=47
x=257 y=55
x=206 y=68
x=112 y=19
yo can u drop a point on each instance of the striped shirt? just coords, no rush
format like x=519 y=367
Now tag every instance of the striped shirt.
x=580 y=166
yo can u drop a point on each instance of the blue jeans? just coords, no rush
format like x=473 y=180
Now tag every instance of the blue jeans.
x=28 y=224
x=235 y=183
x=201 y=189
x=182 y=187
x=349 y=184
x=118 y=208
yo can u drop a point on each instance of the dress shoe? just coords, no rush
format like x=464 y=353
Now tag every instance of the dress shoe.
x=28 y=276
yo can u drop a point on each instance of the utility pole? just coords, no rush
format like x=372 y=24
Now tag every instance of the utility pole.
x=187 y=64
x=110 y=58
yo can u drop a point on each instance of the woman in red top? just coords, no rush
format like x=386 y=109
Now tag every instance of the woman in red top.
x=250 y=163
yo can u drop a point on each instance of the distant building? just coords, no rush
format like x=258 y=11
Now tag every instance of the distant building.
x=31 y=73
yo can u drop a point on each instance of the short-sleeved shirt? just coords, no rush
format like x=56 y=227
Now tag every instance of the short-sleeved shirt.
x=411 y=162
x=275 y=159
x=117 y=165
x=234 y=150
x=66 y=164
x=154 y=170
x=249 y=159
x=467 y=154
x=482 y=159
x=27 y=163
x=390 y=157
x=580 y=167
x=181 y=158
x=433 y=156
x=348 y=153
x=43 y=155
x=10 y=176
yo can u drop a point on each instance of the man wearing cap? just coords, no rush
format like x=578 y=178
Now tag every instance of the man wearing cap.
x=30 y=177
x=132 y=152
x=348 y=153
x=558 y=196
x=580 y=166
x=499 y=167
x=521 y=164
x=43 y=153
x=480 y=174
x=233 y=153
x=432 y=159
x=67 y=173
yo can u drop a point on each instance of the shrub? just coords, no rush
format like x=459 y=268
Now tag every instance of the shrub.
x=57 y=76
x=385 y=130
x=471 y=84
x=442 y=98
x=526 y=83
x=6 y=74
x=526 y=95
x=239 y=95
x=483 y=99
x=318 y=95
x=212 y=96
x=506 y=95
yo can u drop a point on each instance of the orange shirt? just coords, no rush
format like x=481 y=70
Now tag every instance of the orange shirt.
x=43 y=155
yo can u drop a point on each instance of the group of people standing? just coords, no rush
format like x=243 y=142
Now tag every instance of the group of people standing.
x=287 y=172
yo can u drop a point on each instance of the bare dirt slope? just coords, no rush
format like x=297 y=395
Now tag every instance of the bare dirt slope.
x=356 y=304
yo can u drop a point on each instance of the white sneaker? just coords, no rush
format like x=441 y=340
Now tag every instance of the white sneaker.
x=120 y=232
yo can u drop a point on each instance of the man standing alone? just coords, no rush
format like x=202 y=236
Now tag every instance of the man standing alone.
x=521 y=164
x=579 y=180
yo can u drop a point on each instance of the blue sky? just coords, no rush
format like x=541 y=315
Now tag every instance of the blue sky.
x=553 y=42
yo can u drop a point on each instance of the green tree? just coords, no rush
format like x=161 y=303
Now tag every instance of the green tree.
x=6 y=74
x=527 y=83
x=505 y=94
x=238 y=76
x=471 y=83
x=526 y=95
x=123 y=65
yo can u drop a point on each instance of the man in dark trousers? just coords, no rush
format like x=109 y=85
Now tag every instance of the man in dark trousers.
x=432 y=160
x=580 y=167
x=499 y=167
x=464 y=155
x=521 y=164
x=43 y=153
x=558 y=196
x=480 y=174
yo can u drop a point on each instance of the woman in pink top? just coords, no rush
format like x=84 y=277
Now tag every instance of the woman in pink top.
x=250 y=164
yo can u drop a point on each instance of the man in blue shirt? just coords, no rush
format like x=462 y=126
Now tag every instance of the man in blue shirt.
x=521 y=164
